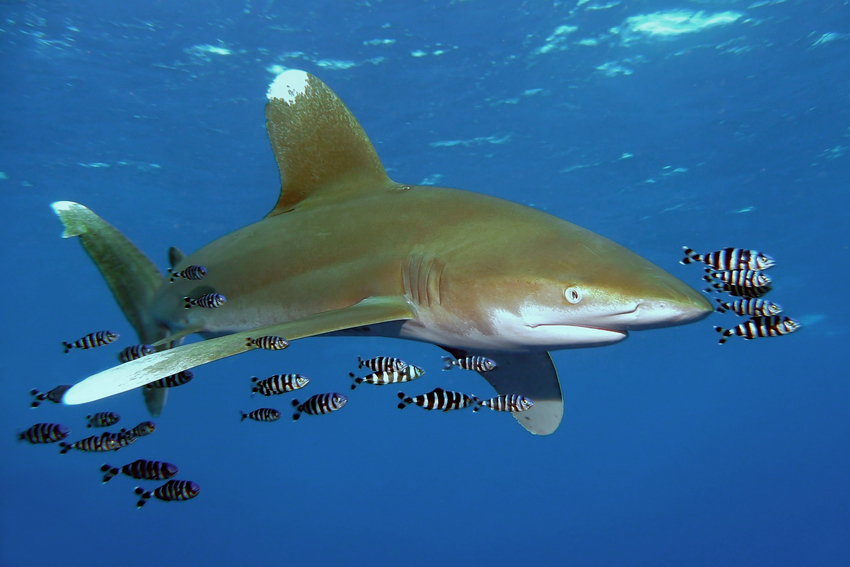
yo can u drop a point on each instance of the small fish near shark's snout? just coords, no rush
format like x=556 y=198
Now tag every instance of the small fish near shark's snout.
x=473 y=274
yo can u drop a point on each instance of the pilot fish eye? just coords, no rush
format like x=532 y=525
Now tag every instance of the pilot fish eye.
x=573 y=294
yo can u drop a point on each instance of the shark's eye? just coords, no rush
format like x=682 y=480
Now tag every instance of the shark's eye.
x=573 y=294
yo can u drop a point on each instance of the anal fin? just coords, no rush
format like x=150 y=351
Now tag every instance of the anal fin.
x=529 y=374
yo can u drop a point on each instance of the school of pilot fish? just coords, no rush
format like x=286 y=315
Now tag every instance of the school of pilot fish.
x=735 y=271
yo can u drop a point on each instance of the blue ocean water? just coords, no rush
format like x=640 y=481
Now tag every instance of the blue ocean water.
x=656 y=124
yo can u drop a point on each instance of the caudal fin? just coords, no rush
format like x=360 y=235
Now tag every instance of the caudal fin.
x=726 y=333
x=132 y=278
x=690 y=256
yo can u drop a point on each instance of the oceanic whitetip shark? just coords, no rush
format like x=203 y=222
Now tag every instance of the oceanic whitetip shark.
x=348 y=250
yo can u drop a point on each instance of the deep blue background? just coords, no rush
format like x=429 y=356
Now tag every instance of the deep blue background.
x=673 y=450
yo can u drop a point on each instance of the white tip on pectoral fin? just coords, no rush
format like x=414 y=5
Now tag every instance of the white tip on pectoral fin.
x=73 y=216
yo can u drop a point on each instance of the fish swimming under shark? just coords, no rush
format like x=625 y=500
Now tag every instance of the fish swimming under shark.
x=471 y=273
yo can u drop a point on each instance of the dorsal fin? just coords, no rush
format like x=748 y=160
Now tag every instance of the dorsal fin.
x=320 y=148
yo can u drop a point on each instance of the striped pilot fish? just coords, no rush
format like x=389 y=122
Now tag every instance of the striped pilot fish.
x=739 y=290
x=189 y=273
x=54 y=395
x=772 y=326
x=476 y=363
x=92 y=340
x=438 y=399
x=207 y=301
x=103 y=419
x=93 y=444
x=750 y=306
x=144 y=428
x=319 y=404
x=173 y=490
x=383 y=377
x=121 y=439
x=730 y=259
x=382 y=363
x=269 y=342
x=262 y=414
x=182 y=377
x=44 y=433
x=278 y=384
x=744 y=278
x=134 y=352
x=142 y=470
x=513 y=403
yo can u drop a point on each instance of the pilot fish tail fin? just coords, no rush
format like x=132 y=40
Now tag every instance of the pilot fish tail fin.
x=132 y=278
x=690 y=256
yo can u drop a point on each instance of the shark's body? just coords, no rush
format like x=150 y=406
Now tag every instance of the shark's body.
x=346 y=249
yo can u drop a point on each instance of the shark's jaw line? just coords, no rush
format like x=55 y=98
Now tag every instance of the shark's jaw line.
x=502 y=330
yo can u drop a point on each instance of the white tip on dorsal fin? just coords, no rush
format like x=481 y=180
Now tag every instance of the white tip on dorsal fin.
x=320 y=148
x=288 y=85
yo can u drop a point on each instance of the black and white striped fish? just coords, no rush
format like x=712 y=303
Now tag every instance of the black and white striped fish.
x=278 y=384
x=269 y=342
x=319 y=404
x=121 y=439
x=750 y=306
x=743 y=278
x=182 y=377
x=438 y=399
x=383 y=363
x=142 y=470
x=134 y=352
x=92 y=340
x=144 y=428
x=54 y=395
x=207 y=301
x=44 y=433
x=384 y=377
x=739 y=290
x=94 y=443
x=730 y=259
x=173 y=490
x=193 y=272
x=262 y=414
x=476 y=363
x=103 y=419
x=772 y=326
x=513 y=403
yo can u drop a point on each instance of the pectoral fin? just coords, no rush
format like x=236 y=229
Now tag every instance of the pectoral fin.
x=150 y=368
x=530 y=374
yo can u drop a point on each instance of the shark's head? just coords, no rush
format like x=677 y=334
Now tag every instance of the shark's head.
x=591 y=291
x=544 y=283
